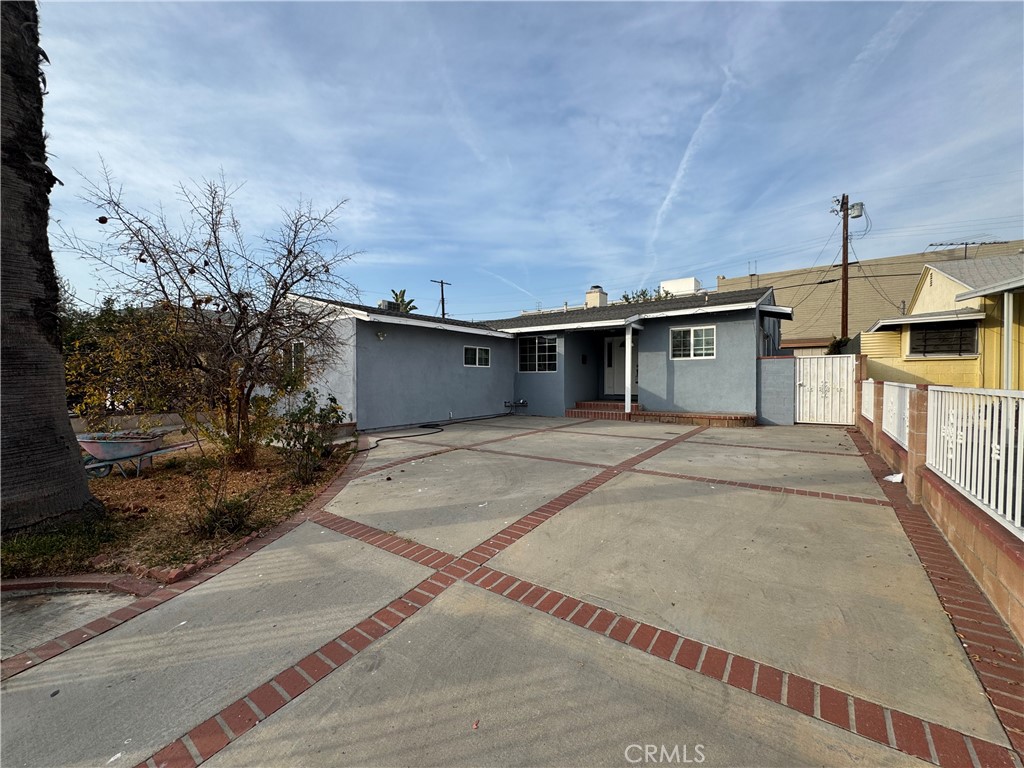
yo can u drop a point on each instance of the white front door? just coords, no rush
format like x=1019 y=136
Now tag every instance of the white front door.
x=615 y=365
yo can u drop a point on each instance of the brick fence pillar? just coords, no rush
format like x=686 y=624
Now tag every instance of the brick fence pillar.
x=917 y=441
x=876 y=416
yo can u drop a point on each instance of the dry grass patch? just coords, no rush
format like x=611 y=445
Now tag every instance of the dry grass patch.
x=151 y=520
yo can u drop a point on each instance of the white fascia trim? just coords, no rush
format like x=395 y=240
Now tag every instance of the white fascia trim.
x=897 y=322
x=438 y=326
x=775 y=311
x=698 y=311
x=636 y=320
x=576 y=327
x=1004 y=287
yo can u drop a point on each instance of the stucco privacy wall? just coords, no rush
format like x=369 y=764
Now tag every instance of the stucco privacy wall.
x=776 y=398
x=544 y=391
x=415 y=375
x=726 y=384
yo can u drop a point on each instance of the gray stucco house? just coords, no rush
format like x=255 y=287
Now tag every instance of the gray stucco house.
x=689 y=354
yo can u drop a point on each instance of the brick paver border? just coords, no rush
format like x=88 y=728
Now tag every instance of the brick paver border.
x=992 y=649
x=892 y=728
x=19 y=662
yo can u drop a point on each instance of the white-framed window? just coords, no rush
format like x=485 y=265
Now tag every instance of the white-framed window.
x=476 y=357
x=689 y=343
x=538 y=354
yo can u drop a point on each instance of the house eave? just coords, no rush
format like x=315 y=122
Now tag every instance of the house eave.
x=895 y=323
x=370 y=317
x=636 y=321
x=439 y=325
x=771 y=310
x=1016 y=285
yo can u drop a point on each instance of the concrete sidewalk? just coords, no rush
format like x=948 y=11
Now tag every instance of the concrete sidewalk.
x=529 y=591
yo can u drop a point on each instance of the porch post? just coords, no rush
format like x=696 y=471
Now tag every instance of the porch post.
x=629 y=368
x=1008 y=361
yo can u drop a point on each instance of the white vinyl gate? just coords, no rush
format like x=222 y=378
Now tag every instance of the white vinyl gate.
x=825 y=389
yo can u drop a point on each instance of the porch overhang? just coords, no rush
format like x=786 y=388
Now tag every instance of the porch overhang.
x=783 y=313
x=1016 y=285
x=953 y=316
x=629 y=322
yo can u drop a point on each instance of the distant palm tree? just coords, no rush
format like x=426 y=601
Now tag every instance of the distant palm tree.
x=42 y=482
x=404 y=304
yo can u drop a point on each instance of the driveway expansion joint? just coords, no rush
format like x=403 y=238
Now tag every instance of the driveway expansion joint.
x=897 y=730
x=993 y=651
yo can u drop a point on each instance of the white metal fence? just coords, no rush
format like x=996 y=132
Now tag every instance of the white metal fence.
x=976 y=443
x=896 y=411
x=867 y=399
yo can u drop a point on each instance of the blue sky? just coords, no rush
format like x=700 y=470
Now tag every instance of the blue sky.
x=524 y=151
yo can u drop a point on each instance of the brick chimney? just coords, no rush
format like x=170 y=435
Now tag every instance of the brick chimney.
x=596 y=297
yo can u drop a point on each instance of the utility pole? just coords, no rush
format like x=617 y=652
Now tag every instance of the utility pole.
x=844 y=211
x=442 y=283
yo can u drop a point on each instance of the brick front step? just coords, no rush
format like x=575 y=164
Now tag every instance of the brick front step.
x=667 y=417
x=605 y=405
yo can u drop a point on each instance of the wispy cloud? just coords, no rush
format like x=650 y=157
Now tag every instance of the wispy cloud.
x=509 y=283
x=696 y=140
x=877 y=48
x=454 y=107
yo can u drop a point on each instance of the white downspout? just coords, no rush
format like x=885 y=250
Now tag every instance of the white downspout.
x=1008 y=361
x=629 y=368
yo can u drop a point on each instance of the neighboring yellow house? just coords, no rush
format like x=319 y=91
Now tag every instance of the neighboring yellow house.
x=964 y=328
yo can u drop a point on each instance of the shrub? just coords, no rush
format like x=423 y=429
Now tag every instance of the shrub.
x=306 y=434
x=213 y=512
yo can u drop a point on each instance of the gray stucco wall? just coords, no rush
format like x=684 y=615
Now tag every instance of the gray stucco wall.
x=544 y=391
x=776 y=391
x=417 y=375
x=726 y=383
x=584 y=361
x=339 y=375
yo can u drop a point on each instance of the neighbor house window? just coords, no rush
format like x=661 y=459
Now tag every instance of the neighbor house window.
x=943 y=339
x=538 y=353
x=477 y=357
x=686 y=343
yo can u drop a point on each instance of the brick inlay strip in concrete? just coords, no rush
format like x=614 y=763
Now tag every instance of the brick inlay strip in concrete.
x=777 y=448
x=910 y=734
x=992 y=649
x=770 y=488
x=35 y=656
x=216 y=732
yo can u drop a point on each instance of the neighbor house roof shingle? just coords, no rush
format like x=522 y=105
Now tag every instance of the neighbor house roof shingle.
x=979 y=273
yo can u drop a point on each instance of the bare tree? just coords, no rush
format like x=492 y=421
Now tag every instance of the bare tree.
x=43 y=482
x=237 y=316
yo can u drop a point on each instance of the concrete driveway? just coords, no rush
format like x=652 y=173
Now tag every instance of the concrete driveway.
x=526 y=591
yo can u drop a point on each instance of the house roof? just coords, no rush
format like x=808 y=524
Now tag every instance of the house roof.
x=943 y=316
x=979 y=273
x=378 y=315
x=620 y=314
x=1005 y=275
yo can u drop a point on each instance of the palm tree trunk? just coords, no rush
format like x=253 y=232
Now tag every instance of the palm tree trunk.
x=42 y=481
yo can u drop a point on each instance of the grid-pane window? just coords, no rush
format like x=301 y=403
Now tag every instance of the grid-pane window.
x=703 y=342
x=477 y=357
x=944 y=339
x=687 y=343
x=538 y=354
